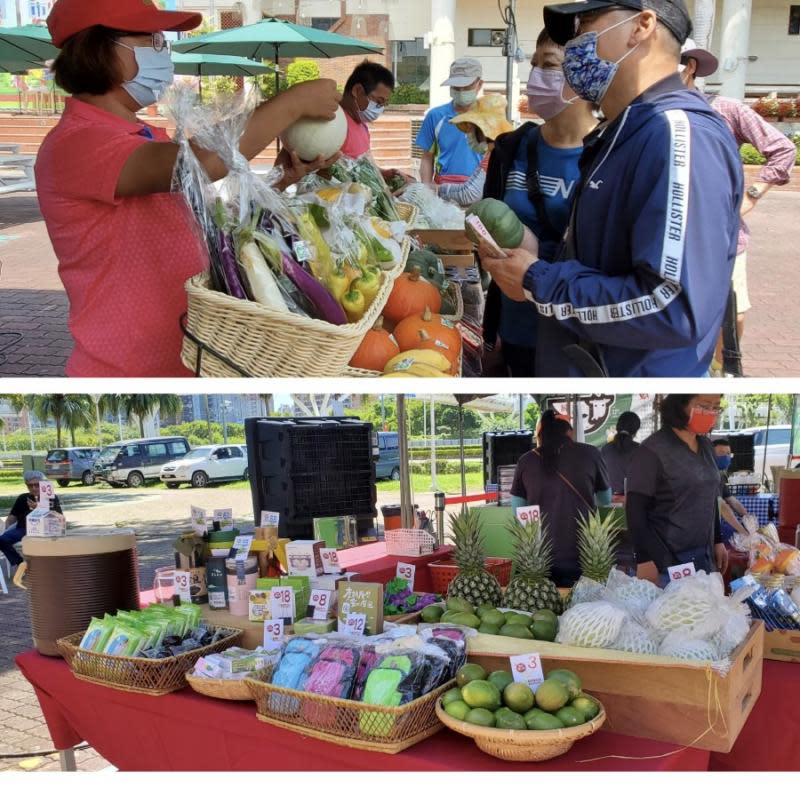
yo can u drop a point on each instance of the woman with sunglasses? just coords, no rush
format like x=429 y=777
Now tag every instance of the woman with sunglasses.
x=125 y=244
x=673 y=490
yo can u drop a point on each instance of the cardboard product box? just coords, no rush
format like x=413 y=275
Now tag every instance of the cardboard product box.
x=259 y=606
x=304 y=558
x=331 y=581
x=362 y=598
x=311 y=626
x=46 y=524
x=782 y=645
x=456 y=247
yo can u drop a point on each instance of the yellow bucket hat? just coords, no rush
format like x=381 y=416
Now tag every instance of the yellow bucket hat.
x=489 y=115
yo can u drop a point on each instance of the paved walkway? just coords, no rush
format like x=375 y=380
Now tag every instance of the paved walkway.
x=34 y=339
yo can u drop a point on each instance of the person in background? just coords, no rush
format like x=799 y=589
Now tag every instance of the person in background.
x=642 y=279
x=566 y=480
x=617 y=454
x=729 y=505
x=447 y=156
x=16 y=522
x=534 y=170
x=366 y=95
x=747 y=126
x=673 y=488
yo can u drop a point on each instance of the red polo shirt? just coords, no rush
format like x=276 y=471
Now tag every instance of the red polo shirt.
x=123 y=261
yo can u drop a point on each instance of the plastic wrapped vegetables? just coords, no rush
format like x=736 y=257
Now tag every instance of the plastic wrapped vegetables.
x=364 y=171
x=398 y=599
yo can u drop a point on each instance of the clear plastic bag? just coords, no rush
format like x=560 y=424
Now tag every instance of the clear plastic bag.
x=633 y=594
x=434 y=212
x=586 y=590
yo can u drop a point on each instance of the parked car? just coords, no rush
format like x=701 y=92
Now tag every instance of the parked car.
x=387 y=463
x=208 y=464
x=133 y=462
x=751 y=445
x=71 y=464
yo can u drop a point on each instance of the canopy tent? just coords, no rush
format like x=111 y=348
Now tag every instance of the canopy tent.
x=200 y=65
x=24 y=48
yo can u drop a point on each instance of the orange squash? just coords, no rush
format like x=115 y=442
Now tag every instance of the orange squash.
x=410 y=295
x=377 y=348
x=435 y=326
x=427 y=342
x=788 y=561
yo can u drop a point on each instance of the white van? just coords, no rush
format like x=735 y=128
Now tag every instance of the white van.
x=208 y=464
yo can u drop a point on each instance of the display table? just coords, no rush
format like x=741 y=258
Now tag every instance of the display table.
x=763 y=506
x=185 y=731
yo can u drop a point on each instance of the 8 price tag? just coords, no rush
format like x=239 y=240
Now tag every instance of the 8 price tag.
x=354 y=624
x=281 y=602
x=183 y=586
x=529 y=515
x=527 y=668
x=330 y=561
x=273 y=633
x=270 y=519
x=241 y=547
x=321 y=601
x=681 y=572
x=407 y=571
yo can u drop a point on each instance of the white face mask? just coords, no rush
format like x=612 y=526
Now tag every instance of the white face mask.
x=463 y=98
x=371 y=113
x=156 y=73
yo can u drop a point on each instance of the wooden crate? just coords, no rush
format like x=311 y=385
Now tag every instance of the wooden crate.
x=782 y=645
x=457 y=248
x=654 y=697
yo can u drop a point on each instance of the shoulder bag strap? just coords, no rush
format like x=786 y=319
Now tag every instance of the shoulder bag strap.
x=568 y=483
x=534 y=186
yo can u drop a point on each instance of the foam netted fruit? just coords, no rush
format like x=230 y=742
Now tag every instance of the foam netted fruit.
x=634 y=638
x=593 y=625
x=679 y=646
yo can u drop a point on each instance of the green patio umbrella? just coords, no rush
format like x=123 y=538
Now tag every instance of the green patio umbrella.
x=28 y=46
x=271 y=39
x=198 y=65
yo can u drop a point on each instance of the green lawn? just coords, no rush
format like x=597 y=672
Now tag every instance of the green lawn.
x=446 y=483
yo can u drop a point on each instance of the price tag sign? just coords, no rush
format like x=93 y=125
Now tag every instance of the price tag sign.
x=46 y=494
x=527 y=668
x=330 y=561
x=183 y=586
x=281 y=603
x=529 y=515
x=241 y=547
x=321 y=601
x=407 y=571
x=198 y=518
x=681 y=572
x=273 y=633
x=224 y=516
x=354 y=624
x=270 y=519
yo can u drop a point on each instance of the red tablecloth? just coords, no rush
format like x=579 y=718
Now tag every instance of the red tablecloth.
x=188 y=732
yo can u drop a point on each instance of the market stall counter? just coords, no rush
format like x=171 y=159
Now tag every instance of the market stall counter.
x=185 y=731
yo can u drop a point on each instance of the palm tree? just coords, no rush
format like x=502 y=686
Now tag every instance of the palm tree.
x=144 y=405
x=70 y=410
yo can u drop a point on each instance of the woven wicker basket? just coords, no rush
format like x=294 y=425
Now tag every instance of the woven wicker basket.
x=523 y=745
x=407 y=212
x=226 y=689
x=409 y=542
x=349 y=723
x=245 y=339
x=140 y=676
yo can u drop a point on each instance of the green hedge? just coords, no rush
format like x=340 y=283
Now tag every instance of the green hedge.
x=409 y=94
x=446 y=467
x=751 y=156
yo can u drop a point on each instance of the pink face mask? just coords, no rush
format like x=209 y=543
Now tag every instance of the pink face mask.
x=544 y=92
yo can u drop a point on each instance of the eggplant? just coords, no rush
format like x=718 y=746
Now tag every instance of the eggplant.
x=324 y=302
x=230 y=267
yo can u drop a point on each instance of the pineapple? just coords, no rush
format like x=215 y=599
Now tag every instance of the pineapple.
x=597 y=544
x=530 y=589
x=472 y=583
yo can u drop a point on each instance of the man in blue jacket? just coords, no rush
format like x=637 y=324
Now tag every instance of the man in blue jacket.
x=643 y=276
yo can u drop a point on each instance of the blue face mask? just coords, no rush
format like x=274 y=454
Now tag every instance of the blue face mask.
x=588 y=74
x=155 y=75
x=724 y=462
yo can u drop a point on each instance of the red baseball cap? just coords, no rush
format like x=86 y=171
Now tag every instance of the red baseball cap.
x=137 y=16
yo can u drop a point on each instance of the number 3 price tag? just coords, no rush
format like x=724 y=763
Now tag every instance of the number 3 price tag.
x=321 y=601
x=273 y=633
x=527 y=669
x=330 y=561
x=354 y=624
x=529 y=515
x=183 y=586
x=282 y=603
x=681 y=572
x=407 y=571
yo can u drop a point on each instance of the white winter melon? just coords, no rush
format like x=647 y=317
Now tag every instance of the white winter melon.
x=313 y=138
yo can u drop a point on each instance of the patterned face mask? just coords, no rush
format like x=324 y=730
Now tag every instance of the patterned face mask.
x=588 y=74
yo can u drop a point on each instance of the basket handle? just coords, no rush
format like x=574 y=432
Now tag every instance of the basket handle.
x=22 y=569
x=202 y=346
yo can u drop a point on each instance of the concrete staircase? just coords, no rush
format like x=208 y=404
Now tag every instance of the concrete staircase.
x=391 y=137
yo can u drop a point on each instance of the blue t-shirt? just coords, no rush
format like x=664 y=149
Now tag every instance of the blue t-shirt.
x=452 y=154
x=558 y=180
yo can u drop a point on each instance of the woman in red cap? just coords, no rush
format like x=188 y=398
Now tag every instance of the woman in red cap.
x=125 y=244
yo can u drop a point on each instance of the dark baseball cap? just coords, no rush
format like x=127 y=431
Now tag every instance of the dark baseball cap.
x=560 y=19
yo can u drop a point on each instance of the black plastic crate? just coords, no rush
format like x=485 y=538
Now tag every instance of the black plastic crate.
x=503 y=448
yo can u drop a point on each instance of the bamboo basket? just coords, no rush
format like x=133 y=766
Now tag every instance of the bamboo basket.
x=226 y=689
x=155 y=677
x=348 y=723
x=407 y=212
x=523 y=745
x=229 y=337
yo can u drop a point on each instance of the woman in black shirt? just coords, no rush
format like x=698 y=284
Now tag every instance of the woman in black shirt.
x=617 y=454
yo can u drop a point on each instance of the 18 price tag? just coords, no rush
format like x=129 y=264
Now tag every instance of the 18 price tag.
x=529 y=515
x=270 y=519
x=241 y=547
x=183 y=586
x=281 y=603
x=273 y=633
x=224 y=516
x=321 y=601
x=46 y=494
x=407 y=571
x=330 y=561
x=527 y=668
x=354 y=624
x=681 y=572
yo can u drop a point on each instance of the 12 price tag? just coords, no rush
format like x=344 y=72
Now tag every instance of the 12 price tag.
x=46 y=494
x=273 y=633
x=241 y=547
x=224 y=516
x=321 y=601
x=681 y=572
x=330 y=561
x=527 y=668
x=183 y=586
x=407 y=571
x=529 y=515
x=270 y=519
x=281 y=603
x=354 y=624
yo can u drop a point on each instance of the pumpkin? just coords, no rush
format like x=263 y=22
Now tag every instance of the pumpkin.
x=377 y=348
x=788 y=562
x=313 y=138
x=411 y=294
x=500 y=221
x=407 y=333
x=427 y=342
